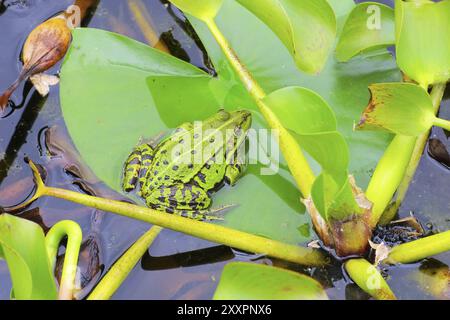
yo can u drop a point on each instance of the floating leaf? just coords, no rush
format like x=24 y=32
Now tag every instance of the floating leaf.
x=423 y=45
x=249 y=281
x=23 y=246
x=402 y=108
x=202 y=9
x=370 y=25
x=307 y=28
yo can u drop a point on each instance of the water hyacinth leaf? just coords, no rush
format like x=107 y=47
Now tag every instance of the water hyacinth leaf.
x=423 y=46
x=23 y=246
x=333 y=197
x=313 y=124
x=401 y=108
x=248 y=281
x=307 y=28
x=369 y=26
x=202 y=9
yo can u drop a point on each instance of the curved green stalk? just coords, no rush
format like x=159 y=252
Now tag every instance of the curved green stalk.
x=436 y=96
x=419 y=249
x=74 y=237
x=120 y=270
x=203 y=230
x=369 y=279
x=297 y=163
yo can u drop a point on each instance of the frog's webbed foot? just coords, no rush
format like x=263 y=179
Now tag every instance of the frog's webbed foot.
x=234 y=172
x=152 y=141
x=136 y=166
x=212 y=214
x=215 y=214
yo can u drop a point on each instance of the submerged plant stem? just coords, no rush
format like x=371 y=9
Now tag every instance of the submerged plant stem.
x=120 y=270
x=369 y=279
x=203 y=230
x=419 y=249
x=74 y=237
x=298 y=165
x=144 y=21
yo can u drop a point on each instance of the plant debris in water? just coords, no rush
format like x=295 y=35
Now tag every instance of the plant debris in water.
x=394 y=234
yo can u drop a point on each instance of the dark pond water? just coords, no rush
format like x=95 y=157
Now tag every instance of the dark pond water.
x=177 y=266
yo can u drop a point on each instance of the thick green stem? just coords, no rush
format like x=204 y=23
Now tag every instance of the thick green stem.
x=388 y=175
x=385 y=181
x=419 y=249
x=120 y=270
x=445 y=124
x=369 y=279
x=203 y=230
x=74 y=237
x=298 y=165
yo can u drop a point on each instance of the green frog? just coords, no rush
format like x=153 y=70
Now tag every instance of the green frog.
x=180 y=173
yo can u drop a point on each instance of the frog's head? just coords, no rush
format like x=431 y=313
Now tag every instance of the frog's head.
x=240 y=119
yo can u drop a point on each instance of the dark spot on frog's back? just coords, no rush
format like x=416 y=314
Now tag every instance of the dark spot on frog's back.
x=202 y=177
x=173 y=191
x=175 y=168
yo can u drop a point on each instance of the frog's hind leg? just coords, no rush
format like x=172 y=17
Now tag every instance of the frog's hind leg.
x=189 y=201
x=136 y=166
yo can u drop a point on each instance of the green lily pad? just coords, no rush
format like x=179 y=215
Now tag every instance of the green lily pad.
x=248 y=281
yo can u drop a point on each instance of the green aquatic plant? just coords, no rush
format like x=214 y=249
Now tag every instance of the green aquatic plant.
x=328 y=162
x=31 y=258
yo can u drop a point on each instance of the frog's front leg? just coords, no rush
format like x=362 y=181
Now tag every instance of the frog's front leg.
x=186 y=200
x=234 y=172
x=136 y=166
